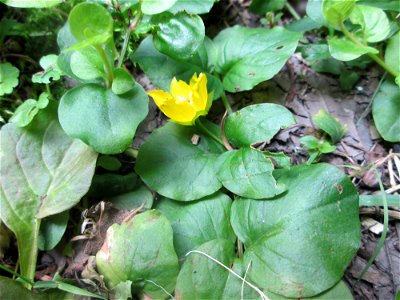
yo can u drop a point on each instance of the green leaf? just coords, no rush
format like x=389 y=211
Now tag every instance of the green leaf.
x=31 y=3
x=52 y=230
x=43 y=172
x=255 y=55
x=161 y=69
x=122 y=291
x=195 y=223
x=202 y=278
x=345 y=50
x=179 y=36
x=257 y=123
x=8 y=78
x=109 y=163
x=383 y=4
x=373 y=21
x=25 y=113
x=87 y=64
x=310 y=142
x=392 y=54
x=248 y=173
x=348 y=79
x=386 y=111
x=279 y=158
x=328 y=124
x=113 y=118
x=123 y=82
x=336 y=11
x=261 y=7
x=326 y=147
x=169 y=163
x=377 y=200
x=153 y=7
x=193 y=6
x=133 y=199
x=51 y=72
x=320 y=227
x=140 y=250
x=11 y=289
x=90 y=20
x=314 y=11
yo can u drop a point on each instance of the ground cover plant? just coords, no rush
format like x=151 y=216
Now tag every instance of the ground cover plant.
x=213 y=202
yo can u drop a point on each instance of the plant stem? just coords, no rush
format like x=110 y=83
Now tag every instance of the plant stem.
x=292 y=11
x=109 y=69
x=208 y=132
x=226 y=103
x=28 y=271
x=375 y=57
x=128 y=31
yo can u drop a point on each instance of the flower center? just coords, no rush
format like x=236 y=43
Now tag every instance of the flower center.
x=185 y=98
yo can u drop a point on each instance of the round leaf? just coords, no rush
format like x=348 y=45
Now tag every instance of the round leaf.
x=153 y=7
x=169 y=163
x=300 y=243
x=195 y=223
x=248 y=173
x=87 y=64
x=123 y=81
x=113 y=118
x=392 y=53
x=193 y=6
x=180 y=35
x=32 y=3
x=255 y=55
x=88 y=20
x=257 y=123
x=8 y=78
x=140 y=250
x=200 y=277
x=386 y=111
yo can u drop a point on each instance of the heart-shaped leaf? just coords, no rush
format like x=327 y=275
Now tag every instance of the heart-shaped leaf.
x=300 y=243
x=248 y=173
x=257 y=123
x=113 y=118
x=169 y=163
x=161 y=69
x=8 y=78
x=255 y=55
x=43 y=172
x=180 y=35
x=195 y=223
x=140 y=250
x=386 y=111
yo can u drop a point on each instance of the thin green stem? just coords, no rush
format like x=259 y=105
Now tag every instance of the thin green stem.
x=385 y=228
x=128 y=32
x=29 y=261
x=376 y=58
x=109 y=69
x=292 y=11
x=17 y=275
x=226 y=103
x=208 y=132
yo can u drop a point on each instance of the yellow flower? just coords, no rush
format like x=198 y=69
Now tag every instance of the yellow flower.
x=185 y=102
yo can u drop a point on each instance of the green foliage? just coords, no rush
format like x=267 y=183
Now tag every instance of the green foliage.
x=261 y=6
x=277 y=258
x=44 y=172
x=51 y=71
x=193 y=6
x=198 y=222
x=147 y=258
x=256 y=55
x=123 y=82
x=328 y=124
x=335 y=12
x=31 y=3
x=25 y=113
x=153 y=7
x=257 y=123
x=392 y=54
x=386 y=111
x=345 y=50
x=52 y=229
x=8 y=78
x=174 y=171
x=248 y=173
x=113 y=118
x=178 y=36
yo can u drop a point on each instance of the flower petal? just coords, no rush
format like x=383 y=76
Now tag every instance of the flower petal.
x=199 y=86
x=181 y=113
x=181 y=91
x=160 y=97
